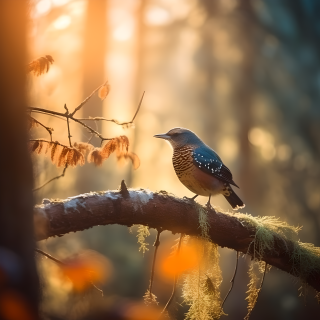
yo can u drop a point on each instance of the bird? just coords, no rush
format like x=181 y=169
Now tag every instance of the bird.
x=199 y=167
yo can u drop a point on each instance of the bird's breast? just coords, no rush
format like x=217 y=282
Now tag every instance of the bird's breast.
x=191 y=176
x=182 y=160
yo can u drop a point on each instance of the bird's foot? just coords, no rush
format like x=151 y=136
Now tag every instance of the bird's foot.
x=208 y=204
x=192 y=199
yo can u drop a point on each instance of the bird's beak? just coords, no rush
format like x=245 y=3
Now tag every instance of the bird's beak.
x=162 y=136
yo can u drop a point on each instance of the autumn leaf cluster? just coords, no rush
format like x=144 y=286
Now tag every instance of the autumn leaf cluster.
x=62 y=155
x=40 y=65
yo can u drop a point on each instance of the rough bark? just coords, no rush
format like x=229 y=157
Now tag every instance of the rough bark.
x=156 y=210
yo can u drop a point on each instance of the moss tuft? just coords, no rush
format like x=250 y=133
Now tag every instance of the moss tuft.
x=267 y=229
x=143 y=232
x=150 y=299
x=203 y=222
x=306 y=259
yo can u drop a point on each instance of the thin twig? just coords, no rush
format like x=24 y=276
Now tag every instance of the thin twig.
x=114 y=120
x=231 y=281
x=90 y=129
x=156 y=245
x=46 y=111
x=86 y=100
x=138 y=107
x=49 y=256
x=42 y=125
x=69 y=116
x=69 y=134
x=55 y=178
x=92 y=134
x=264 y=274
x=176 y=276
x=64 y=115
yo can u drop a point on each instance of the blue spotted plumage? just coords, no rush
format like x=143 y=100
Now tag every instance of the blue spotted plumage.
x=199 y=167
x=208 y=161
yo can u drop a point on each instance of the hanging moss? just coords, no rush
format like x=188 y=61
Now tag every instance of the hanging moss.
x=201 y=288
x=255 y=284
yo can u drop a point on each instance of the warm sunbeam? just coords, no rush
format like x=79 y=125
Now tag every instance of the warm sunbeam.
x=62 y=22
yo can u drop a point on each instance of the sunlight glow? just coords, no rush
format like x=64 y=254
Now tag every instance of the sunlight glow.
x=263 y=139
x=123 y=32
x=58 y=3
x=43 y=6
x=157 y=16
x=62 y=22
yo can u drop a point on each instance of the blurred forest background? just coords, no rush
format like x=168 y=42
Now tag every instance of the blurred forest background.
x=244 y=75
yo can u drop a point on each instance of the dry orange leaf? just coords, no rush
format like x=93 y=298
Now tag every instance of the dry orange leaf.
x=120 y=146
x=104 y=91
x=61 y=155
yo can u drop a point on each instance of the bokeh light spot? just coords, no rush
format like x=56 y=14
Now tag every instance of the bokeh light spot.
x=43 y=7
x=62 y=22
x=175 y=264
x=58 y=3
x=157 y=16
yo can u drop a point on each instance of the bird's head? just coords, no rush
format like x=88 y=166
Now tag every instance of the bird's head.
x=179 y=137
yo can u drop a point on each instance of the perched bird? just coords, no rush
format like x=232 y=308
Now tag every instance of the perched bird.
x=199 y=168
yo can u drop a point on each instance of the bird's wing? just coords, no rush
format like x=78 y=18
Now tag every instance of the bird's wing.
x=209 y=162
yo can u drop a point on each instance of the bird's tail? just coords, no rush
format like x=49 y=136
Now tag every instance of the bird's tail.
x=233 y=199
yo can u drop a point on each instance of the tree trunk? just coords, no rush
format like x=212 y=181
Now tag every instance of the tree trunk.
x=19 y=281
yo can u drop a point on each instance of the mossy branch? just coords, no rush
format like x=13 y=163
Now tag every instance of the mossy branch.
x=264 y=238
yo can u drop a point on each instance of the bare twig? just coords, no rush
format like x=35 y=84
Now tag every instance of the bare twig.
x=92 y=134
x=42 y=125
x=70 y=116
x=49 y=256
x=156 y=245
x=69 y=135
x=231 y=281
x=86 y=100
x=114 y=120
x=55 y=178
x=138 y=107
x=46 y=111
x=176 y=276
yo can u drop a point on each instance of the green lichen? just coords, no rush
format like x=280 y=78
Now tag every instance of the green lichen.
x=203 y=222
x=306 y=259
x=267 y=230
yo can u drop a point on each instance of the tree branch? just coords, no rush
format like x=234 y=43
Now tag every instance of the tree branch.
x=163 y=210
